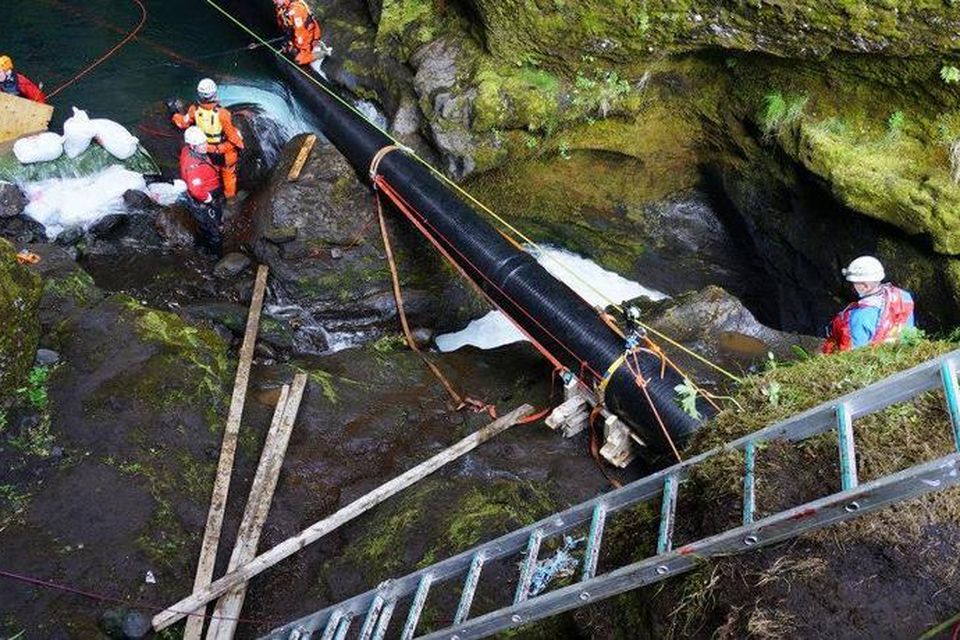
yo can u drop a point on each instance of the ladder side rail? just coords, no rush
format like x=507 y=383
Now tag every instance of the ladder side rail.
x=948 y=371
x=932 y=476
x=510 y=543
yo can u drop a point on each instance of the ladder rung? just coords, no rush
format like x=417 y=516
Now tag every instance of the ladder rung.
x=749 y=482
x=529 y=564
x=332 y=625
x=594 y=540
x=668 y=508
x=948 y=372
x=469 y=588
x=345 y=623
x=371 y=619
x=384 y=622
x=416 y=608
x=848 y=452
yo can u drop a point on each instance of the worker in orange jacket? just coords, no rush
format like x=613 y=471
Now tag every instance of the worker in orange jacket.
x=224 y=140
x=295 y=17
x=18 y=84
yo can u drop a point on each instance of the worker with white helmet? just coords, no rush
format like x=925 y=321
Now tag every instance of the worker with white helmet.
x=880 y=314
x=203 y=186
x=224 y=140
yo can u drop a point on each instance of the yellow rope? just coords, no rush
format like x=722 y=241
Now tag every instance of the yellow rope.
x=453 y=185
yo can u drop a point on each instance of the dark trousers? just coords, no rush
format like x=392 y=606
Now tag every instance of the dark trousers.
x=209 y=217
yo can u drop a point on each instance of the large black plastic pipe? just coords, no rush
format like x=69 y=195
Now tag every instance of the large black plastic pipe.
x=547 y=310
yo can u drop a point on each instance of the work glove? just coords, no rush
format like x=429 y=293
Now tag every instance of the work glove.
x=174 y=105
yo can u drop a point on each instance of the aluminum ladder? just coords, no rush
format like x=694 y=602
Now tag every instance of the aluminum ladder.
x=374 y=610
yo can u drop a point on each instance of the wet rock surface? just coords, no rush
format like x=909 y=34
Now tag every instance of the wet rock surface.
x=12 y=200
x=719 y=327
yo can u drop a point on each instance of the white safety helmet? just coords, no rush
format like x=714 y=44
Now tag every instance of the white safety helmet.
x=194 y=136
x=864 y=269
x=207 y=89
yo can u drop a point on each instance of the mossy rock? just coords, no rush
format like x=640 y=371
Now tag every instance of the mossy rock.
x=564 y=32
x=20 y=292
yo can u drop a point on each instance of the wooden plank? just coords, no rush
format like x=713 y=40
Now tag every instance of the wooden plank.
x=223 y=624
x=20 y=117
x=228 y=450
x=290 y=546
x=301 y=160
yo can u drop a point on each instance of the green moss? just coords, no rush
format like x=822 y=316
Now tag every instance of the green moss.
x=200 y=349
x=324 y=380
x=13 y=503
x=77 y=285
x=440 y=521
x=20 y=291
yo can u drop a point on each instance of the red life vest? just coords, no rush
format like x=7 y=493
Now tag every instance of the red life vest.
x=200 y=174
x=895 y=312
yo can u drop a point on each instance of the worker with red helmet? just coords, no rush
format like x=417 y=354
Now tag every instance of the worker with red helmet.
x=224 y=140
x=18 y=84
x=303 y=29
x=204 y=186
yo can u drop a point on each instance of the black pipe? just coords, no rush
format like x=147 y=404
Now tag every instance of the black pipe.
x=548 y=310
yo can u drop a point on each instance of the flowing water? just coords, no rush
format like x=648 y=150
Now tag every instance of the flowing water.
x=182 y=41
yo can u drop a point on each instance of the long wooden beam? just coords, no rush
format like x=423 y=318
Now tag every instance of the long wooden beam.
x=290 y=546
x=228 y=450
x=223 y=623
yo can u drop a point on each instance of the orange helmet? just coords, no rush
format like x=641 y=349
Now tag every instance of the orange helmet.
x=6 y=63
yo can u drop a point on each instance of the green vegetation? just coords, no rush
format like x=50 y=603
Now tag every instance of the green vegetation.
x=13 y=502
x=35 y=439
x=779 y=112
x=895 y=123
x=447 y=513
x=78 y=285
x=950 y=74
x=20 y=290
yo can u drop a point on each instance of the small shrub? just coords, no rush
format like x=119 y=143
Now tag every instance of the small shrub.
x=949 y=74
x=895 y=123
x=778 y=112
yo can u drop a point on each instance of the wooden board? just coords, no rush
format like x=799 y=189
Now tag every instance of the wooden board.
x=301 y=160
x=290 y=546
x=20 y=117
x=228 y=450
x=223 y=624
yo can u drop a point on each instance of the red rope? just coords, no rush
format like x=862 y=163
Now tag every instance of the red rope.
x=130 y=36
x=48 y=584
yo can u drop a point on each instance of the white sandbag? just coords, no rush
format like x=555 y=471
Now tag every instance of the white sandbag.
x=115 y=138
x=79 y=202
x=42 y=147
x=165 y=193
x=78 y=132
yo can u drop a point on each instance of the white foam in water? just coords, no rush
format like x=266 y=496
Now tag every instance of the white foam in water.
x=495 y=330
x=371 y=113
x=279 y=106
x=79 y=202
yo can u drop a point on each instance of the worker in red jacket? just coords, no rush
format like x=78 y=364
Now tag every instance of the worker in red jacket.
x=18 y=84
x=204 y=187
